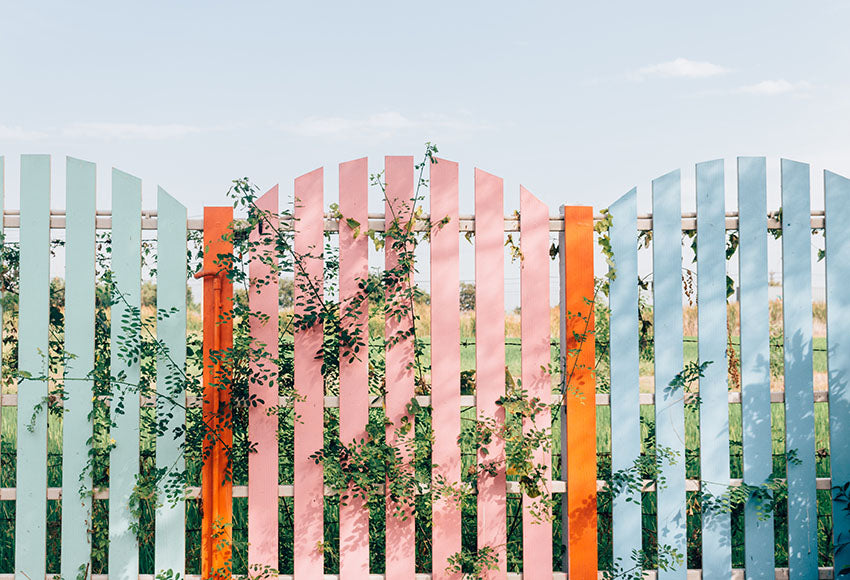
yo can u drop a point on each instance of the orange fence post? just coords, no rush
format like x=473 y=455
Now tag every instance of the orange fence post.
x=216 y=483
x=580 y=390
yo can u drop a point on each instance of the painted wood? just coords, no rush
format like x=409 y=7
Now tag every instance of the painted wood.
x=713 y=386
x=33 y=308
x=445 y=361
x=490 y=359
x=400 y=554
x=80 y=178
x=354 y=360
x=625 y=383
x=799 y=401
x=534 y=303
x=263 y=425
x=171 y=268
x=755 y=359
x=669 y=409
x=124 y=456
x=837 y=205
x=580 y=389
x=216 y=486
x=309 y=486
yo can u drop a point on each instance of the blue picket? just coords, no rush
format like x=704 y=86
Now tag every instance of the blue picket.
x=669 y=402
x=34 y=297
x=124 y=457
x=799 y=398
x=713 y=386
x=625 y=383
x=755 y=361
x=79 y=341
x=837 y=205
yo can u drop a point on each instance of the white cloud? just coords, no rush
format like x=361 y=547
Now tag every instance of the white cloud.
x=8 y=133
x=775 y=87
x=379 y=125
x=681 y=68
x=129 y=131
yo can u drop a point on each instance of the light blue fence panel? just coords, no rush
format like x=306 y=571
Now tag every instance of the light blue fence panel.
x=837 y=204
x=33 y=305
x=713 y=386
x=124 y=409
x=669 y=402
x=755 y=361
x=170 y=368
x=79 y=342
x=799 y=395
x=625 y=379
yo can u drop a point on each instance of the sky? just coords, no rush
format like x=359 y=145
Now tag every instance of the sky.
x=579 y=102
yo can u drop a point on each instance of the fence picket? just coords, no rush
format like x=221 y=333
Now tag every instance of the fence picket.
x=79 y=341
x=401 y=549
x=171 y=267
x=354 y=362
x=490 y=361
x=445 y=361
x=837 y=205
x=263 y=425
x=713 y=386
x=124 y=456
x=31 y=484
x=625 y=384
x=799 y=402
x=669 y=410
x=755 y=360
x=536 y=381
x=309 y=383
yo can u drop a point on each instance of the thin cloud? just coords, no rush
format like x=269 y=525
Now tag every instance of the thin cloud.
x=110 y=131
x=775 y=87
x=379 y=125
x=681 y=68
x=8 y=133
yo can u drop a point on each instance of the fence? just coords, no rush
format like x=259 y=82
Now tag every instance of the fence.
x=684 y=489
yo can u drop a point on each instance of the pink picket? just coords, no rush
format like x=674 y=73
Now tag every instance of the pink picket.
x=400 y=554
x=262 y=426
x=534 y=303
x=309 y=408
x=354 y=359
x=490 y=361
x=445 y=361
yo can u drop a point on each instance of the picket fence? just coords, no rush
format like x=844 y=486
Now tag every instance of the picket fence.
x=580 y=485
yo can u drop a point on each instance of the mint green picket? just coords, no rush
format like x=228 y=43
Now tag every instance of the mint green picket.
x=124 y=457
x=79 y=341
x=34 y=303
x=713 y=387
x=669 y=404
x=755 y=360
x=799 y=400
x=171 y=269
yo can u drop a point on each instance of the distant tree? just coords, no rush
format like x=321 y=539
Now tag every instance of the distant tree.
x=467 y=296
x=286 y=292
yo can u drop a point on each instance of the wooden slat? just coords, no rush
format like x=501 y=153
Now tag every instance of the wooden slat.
x=79 y=341
x=534 y=304
x=755 y=358
x=171 y=266
x=625 y=384
x=490 y=360
x=31 y=506
x=713 y=386
x=445 y=361
x=262 y=424
x=799 y=407
x=837 y=203
x=667 y=309
x=578 y=295
x=354 y=360
x=400 y=554
x=124 y=456
x=309 y=502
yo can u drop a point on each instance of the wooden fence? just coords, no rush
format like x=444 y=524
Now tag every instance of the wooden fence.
x=581 y=487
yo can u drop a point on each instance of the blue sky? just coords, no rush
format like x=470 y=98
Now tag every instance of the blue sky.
x=577 y=101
